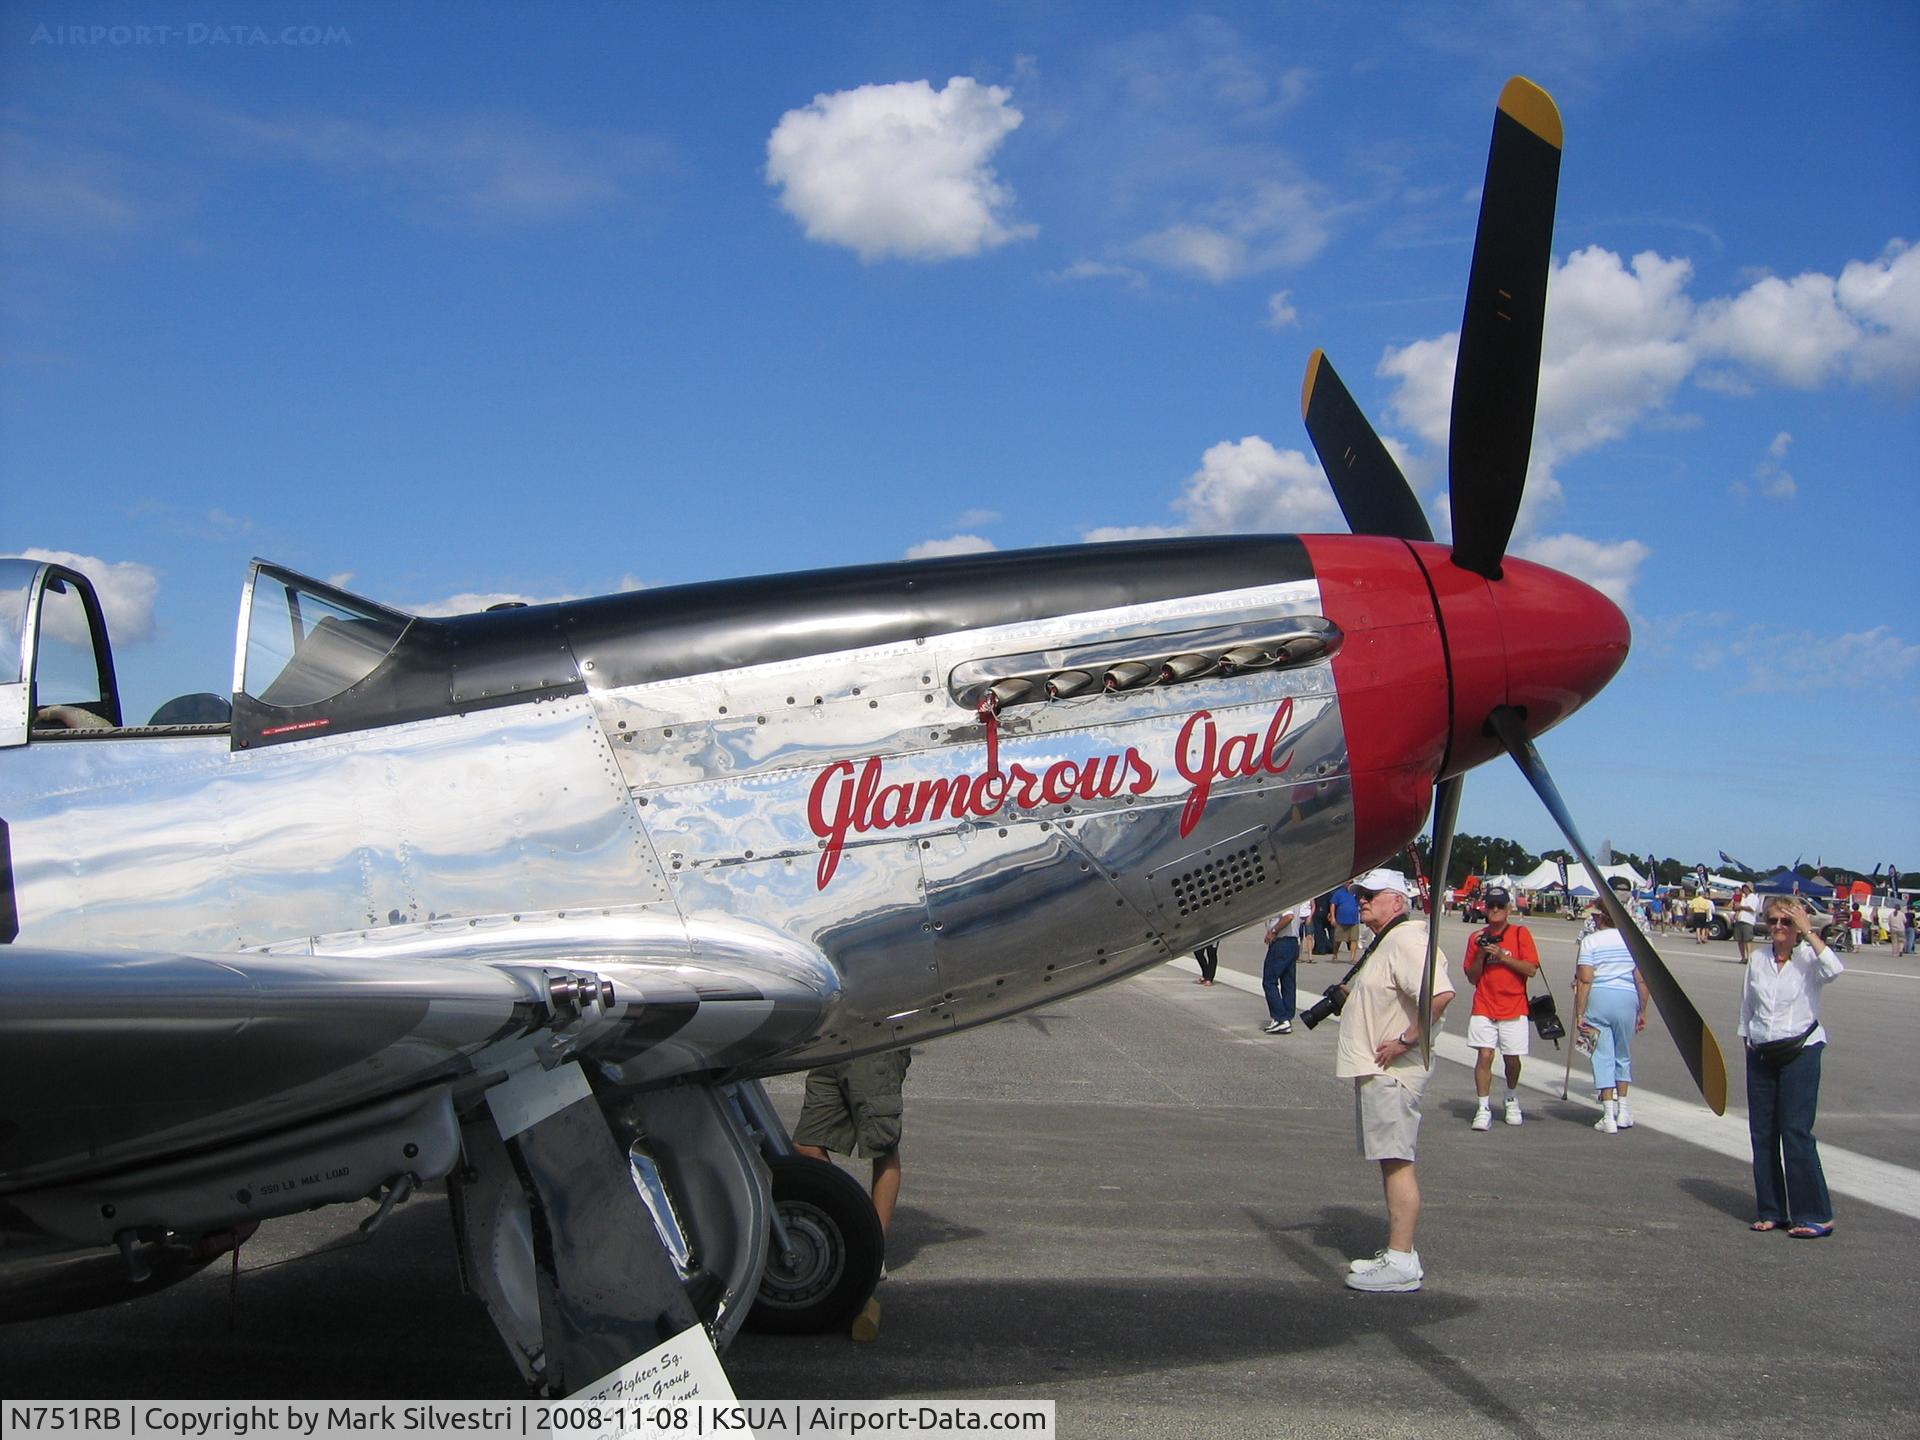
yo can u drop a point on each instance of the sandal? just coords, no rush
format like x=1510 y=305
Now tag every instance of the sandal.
x=1811 y=1232
x=1760 y=1227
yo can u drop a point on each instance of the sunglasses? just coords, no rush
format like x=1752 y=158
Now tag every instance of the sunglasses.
x=1780 y=920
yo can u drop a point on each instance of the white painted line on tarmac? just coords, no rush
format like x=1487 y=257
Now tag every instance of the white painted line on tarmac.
x=1858 y=1177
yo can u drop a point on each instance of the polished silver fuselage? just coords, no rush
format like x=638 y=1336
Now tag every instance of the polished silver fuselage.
x=833 y=800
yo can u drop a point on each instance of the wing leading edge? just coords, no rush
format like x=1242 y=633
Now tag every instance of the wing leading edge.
x=119 y=1060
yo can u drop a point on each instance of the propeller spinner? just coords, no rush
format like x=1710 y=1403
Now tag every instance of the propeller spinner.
x=1526 y=646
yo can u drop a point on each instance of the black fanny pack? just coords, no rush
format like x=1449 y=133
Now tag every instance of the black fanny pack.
x=1778 y=1052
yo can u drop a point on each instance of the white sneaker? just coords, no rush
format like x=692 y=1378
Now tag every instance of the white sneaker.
x=1385 y=1277
x=1606 y=1125
x=1354 y=1267
x=1623 y=1117
x=1483 y=1118
x=1513 y=1115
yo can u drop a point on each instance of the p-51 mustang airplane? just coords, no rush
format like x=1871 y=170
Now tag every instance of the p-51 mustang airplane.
x=532 y=900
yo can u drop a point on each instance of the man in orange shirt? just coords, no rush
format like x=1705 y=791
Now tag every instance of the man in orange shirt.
x=1501 y=959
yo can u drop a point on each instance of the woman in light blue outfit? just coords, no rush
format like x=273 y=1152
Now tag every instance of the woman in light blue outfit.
x=1609 y=1009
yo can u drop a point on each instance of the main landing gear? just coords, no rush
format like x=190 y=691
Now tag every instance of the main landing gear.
x=826 y=1252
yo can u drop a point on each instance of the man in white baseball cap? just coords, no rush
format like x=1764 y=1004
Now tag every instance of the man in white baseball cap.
x=1379 y=1050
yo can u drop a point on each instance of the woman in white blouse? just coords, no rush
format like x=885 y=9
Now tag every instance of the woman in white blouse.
x=1780 y=1021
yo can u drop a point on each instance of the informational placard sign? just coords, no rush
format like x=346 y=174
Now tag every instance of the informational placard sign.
x=667 y=1391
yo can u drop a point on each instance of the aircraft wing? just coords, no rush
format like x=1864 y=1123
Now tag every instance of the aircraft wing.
x=129 y=1059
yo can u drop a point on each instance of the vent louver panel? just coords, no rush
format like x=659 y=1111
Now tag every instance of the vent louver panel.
x=1214 y=880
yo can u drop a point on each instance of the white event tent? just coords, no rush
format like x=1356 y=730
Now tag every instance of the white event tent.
x=1546 y=876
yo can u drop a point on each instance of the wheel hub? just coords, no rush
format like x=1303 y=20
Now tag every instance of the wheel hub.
x=819 y=1258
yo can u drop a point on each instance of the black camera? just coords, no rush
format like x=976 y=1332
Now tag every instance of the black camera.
x=1329 y=1005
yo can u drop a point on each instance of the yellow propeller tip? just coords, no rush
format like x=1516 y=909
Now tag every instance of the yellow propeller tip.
x=1533 y=107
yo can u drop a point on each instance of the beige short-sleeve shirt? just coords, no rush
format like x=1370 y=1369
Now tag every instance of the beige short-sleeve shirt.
x=1385 y=1001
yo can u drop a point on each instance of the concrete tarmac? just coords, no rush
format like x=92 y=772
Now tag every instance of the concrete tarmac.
x=1139 y=1206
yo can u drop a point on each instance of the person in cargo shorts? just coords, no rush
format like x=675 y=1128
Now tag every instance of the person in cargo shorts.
x=854 y=1107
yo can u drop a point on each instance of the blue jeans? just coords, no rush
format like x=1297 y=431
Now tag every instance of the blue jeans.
x=1780 y=1110
x=1276 y=976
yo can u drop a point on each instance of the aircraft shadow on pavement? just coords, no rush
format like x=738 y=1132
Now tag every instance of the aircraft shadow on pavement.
x=915 y=1230
x=1344 y=1230
x=382 y=1318
x=1000 y=1335
x=1730 y=1200
x=946 y=1337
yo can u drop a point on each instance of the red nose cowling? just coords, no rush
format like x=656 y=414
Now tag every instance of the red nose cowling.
x=1538 y=641
x=1430 y=649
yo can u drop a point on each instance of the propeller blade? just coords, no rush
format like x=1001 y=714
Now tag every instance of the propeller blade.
x=1373 y=494
x=1690 y=1033
x=1446 y=810
x=1496 y=379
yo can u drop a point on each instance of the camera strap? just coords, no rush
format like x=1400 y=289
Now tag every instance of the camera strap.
x=1346 y=980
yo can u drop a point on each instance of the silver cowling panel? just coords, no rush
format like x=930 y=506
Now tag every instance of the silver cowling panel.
x=120 y=842
x=739 y=776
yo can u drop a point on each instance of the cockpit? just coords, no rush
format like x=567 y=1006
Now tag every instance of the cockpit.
x=302 y=643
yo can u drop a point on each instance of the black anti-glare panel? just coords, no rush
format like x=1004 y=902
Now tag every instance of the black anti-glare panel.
x=505 y=657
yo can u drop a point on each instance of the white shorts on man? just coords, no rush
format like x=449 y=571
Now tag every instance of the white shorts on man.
x=1505 y=1037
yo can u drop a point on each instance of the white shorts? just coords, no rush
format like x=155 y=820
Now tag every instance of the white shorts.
x=1386 y=1114
x=1509 y=1037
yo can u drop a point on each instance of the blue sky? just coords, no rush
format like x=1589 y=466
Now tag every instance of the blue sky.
x=460 y=302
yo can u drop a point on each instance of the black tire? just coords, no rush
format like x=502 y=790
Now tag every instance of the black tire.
x=838 y=1247
x=1718 y=929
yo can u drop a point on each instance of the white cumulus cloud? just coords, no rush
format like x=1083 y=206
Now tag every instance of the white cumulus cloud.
x=1265 y=226
x=127 y=591
x=1622 y=339
x=1100 y=270
x=1800 y=662
x=471 y=602
x=1885 y=295
x=1244 y=486
x=1770 y=475
x=1610 y=567
x=1248 y=486
x=1863 y=325
x=952 y=545
x=899 y=171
